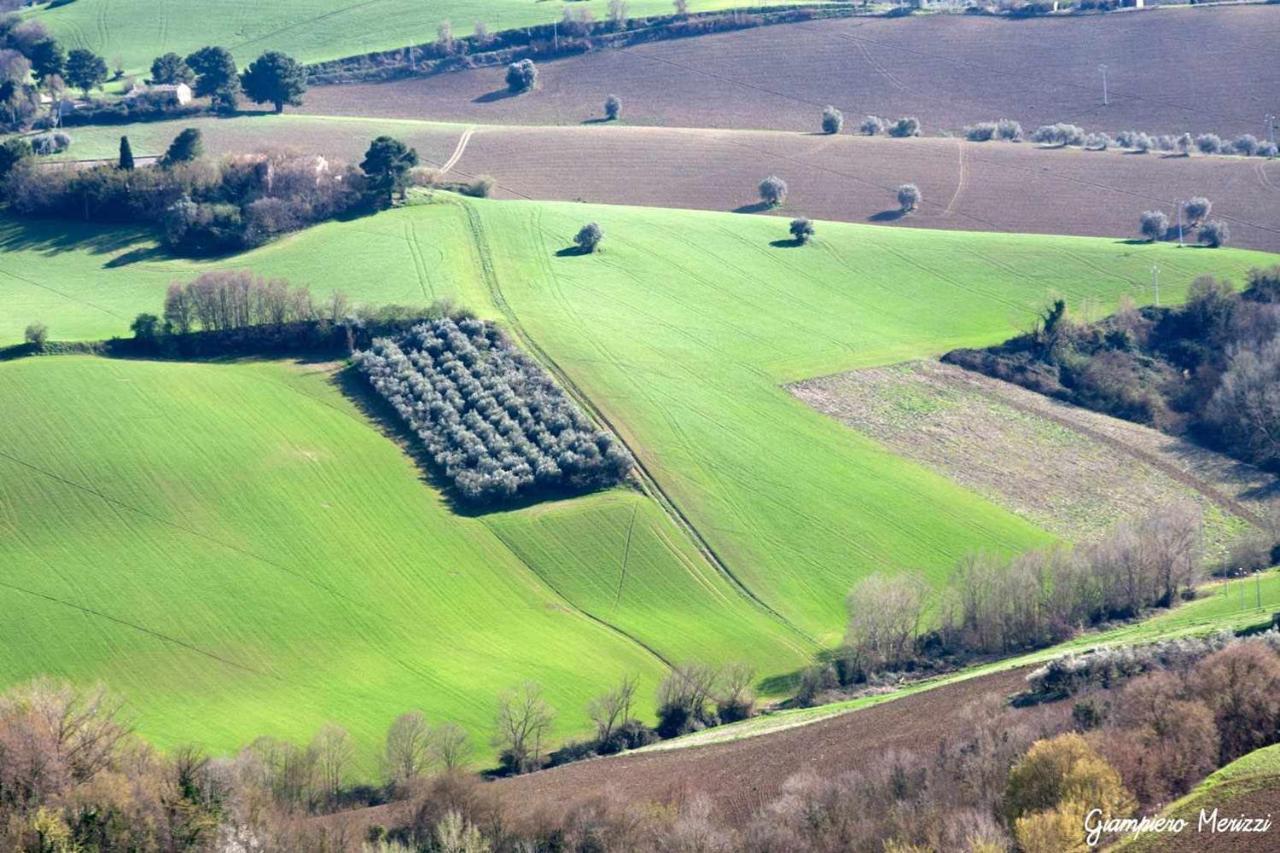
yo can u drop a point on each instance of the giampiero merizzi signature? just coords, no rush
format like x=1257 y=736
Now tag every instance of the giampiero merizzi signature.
x=1096 y=825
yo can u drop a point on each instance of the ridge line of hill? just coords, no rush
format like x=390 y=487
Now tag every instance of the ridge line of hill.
x=648 y=483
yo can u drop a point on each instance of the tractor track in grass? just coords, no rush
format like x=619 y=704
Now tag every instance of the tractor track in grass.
x=648 y=483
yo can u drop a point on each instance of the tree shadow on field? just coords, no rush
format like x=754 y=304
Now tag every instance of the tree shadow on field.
x=495 y=95
x=887 y=215
x=55 y=236
x=754 y=207
x=134 y=256
x=599 y=120
x=572 y=252
x=786 y=244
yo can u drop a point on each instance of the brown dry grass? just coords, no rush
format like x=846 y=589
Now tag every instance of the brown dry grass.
x=1066 y=469
x=1202 y=70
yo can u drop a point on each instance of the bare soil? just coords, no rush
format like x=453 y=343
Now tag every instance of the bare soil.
x=1169 y=70
x=1067 y=469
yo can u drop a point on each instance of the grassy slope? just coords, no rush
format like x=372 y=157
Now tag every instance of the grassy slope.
x=682 y=330
x=310 y=30
x=239 y=552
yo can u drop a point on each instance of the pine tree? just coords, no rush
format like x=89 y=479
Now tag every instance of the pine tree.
x=126 y=154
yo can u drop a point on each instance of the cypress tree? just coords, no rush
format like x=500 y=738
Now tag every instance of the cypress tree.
x=126 y=154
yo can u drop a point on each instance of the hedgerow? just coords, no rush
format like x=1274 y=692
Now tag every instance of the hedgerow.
x=491 y=419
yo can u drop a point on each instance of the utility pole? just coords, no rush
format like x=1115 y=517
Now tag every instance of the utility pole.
x=1181 y=204
x=1155 y=282
x=1105 y=100
x=1271 y=127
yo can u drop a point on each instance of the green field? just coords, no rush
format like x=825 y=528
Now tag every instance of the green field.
x=310 y=30
x=236 y=550
x=259 y=559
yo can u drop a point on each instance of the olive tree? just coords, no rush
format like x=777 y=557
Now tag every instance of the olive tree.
x=1153 y=224
x=801 y=230
x=872 y=125
x=612 y=108
x=589 y=237
x=522 y=76
x=773 y=191
x=1197 y=210
x=832 y=120
x=908 y=197
x=1214 y=233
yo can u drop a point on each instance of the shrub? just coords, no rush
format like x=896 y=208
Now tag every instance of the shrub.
x=1058 y=134
x=50 y=143
x=801 y=230
x=981 y=132
x=684 y=697
x=1197 y=209
x=1214 y=233
x=905 y=126
x=522 y=76
x=1209 y=143
x=612 y=108
x=1009 y=130
x=1244 y=410
x=489 y=418
x=589 y=237
x=1153 y=224
x=1097 y=142
x=1246 y=144
x=773 y=191
x=872 y=125
x=1267 y=149
x=37 y=334
x=1064 y=771
x=186 y=146
x=1241 y=685
x=480 y=187
x=832 y=120
x=1185 y=144
x=908 y=197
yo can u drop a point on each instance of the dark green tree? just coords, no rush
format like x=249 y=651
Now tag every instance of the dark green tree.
x=145 y=327
x=12 y=152
x=276 y=79
x=186 y=146
x=85 y=70
x=47 y=59
x=216 y=77
x=126 y=154
x=387 y=164
x=171 y=68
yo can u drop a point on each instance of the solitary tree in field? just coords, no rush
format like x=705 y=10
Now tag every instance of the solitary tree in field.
x=1214 y=233
x=274 y=78
x=908 y=197
x=522 y=723
x=126 y=154
x=36 y=334
x=832 y=120
x=186 y=146
x=612 y=108
x=589 y=237
x=801 y=230
x=1153 y=224
x=171 y=68
x=773 y=191
x=387 y=164
x=1197 y=210
x=86 y=70
x=522 y=76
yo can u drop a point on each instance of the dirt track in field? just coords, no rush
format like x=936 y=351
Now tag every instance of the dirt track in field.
x=1169 y=70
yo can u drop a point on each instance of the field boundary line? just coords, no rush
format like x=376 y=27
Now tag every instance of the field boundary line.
x=648 y=483
x=142 y=628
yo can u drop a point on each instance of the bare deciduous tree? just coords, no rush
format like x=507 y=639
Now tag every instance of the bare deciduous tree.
x=405 y=753
x=334 y=754
x=450 y=746
x=613 y=709
x=884 y=617
x=522 y=723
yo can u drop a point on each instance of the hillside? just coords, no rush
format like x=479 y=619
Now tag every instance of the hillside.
x=1166 y=74
x=230 y=570
x=310 y=30
x=992 y=186
x=794 y=504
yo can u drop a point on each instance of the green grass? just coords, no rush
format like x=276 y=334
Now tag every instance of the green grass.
x=311 y=30
x=236 y=550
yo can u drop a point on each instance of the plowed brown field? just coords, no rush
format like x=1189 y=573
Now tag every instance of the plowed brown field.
x=1170 y=69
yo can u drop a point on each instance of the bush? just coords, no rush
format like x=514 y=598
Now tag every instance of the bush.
x=1064 y=771
x=1209 y=143
x=522 y=76
x=612 y=108
x=908 y=197
x=1153 y=224
x=832 y=120
x=801 y=230
x=50 y=143
x=1059 y=134
x=773 y=191
x=491 y=420
x=981 y=132
x=480 y=187
x=1009 y=130
x=1267 y=149
x=872 y=125
x=1197 y=209
x=37 y=334
x=1214 y=233
x=1097 y=142
x=589 y=237
x=905 y=126
x=1245 y=144
x=186 y=146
